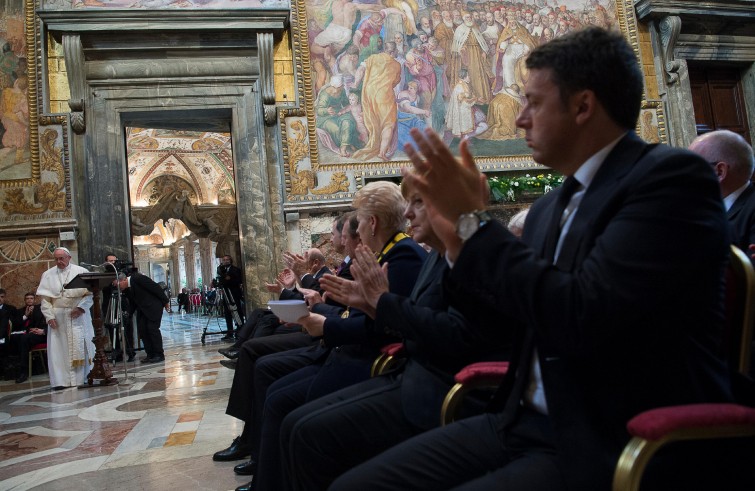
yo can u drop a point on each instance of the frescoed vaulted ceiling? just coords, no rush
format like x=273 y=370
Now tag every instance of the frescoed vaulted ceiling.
x=198 y=162
x=180 y=182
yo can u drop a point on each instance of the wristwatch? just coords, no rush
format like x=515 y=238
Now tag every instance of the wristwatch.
x=469 y=223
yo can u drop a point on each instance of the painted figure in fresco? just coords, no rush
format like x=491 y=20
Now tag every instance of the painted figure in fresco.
x=332 y=122
x=502 y=113
x=469 y=50
x=421 y=69
x=410 y=115
x=355 y=108
x=463 y=118
x=382 y=74
x=15 y=118
x=514 y=43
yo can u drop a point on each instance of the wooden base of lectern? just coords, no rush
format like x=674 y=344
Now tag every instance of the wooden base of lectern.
x=101 y=370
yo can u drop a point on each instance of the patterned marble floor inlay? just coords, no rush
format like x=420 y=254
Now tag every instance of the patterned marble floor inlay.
x=157 y=428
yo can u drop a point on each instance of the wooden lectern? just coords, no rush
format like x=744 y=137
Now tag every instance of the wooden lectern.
x=94 y=283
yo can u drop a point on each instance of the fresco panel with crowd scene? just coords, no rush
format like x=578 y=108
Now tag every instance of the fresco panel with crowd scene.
x=382 y=67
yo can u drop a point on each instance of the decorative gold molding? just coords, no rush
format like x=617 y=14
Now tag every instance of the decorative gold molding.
x=31 y=35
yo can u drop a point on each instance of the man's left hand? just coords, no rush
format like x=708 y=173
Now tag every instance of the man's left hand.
x=77 y=312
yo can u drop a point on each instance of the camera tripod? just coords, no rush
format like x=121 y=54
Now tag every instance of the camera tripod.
x=224 y=299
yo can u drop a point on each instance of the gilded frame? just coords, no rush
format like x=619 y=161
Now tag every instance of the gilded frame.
x=31 y=39
x=625 y=19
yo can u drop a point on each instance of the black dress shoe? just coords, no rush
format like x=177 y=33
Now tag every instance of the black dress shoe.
x=231 y=353
x=246 y=487
x=248 y=468
x=237 y=451
x=21 y=377
x=229 y=364
x=131 y=358
x=154 y=359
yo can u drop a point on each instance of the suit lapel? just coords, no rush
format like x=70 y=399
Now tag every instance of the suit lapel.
x=740 y=202
x=425 y=276
x=617 y=164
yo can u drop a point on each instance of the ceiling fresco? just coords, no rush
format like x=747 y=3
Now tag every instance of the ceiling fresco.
x=180 y=182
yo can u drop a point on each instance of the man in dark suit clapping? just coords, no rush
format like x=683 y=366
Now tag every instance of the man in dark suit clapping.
x=148 y=298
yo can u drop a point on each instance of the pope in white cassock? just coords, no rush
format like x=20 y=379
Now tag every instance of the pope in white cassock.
x=70 y=351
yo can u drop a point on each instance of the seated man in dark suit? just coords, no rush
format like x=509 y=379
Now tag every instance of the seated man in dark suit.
x=617 y=283
x=732 y=159
x=6 y=314
x=262 y=322
x=32 y=326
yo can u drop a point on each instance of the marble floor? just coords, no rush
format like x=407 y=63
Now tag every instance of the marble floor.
x=157 y=429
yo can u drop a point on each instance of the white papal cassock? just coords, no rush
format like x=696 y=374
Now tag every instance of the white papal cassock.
x=70 y=351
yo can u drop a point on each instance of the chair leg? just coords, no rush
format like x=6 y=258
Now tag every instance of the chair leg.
x=30 y=352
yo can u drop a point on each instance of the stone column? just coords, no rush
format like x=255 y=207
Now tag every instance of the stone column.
x=191 y=277
x=205 y=255
x=175 y=270
x=141 y=260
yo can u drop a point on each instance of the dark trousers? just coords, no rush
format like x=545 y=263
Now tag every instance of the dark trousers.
x=324 y=377
x=332 y=434
x=241 y=398
x=23 y=344
x=149 y=331
x=471 y=454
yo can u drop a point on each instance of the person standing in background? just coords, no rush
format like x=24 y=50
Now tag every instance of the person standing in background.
x=230 y=280
x=148 y=298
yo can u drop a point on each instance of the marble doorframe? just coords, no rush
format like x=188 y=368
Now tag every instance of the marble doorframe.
x=132 y=70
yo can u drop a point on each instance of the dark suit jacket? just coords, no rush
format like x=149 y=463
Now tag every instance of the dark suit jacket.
x=234 y=282
x=147 y=297
x=310 y=281
x=742 y=219
x=356 y=341
x=438 y=340
x=621 y=322
x=37 y=320
x=7 y=314
x=404 y=260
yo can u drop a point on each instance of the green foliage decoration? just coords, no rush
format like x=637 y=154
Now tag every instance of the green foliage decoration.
x=503 y=188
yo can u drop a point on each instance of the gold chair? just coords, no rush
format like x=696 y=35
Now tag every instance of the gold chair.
x=389 y=356
x=655 y=428
x=484 y=375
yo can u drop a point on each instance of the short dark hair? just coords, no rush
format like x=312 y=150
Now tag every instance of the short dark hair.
x=30 y=294
x=598 y=60
x=340 y=221
x=2 y=291
x=353 y=224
